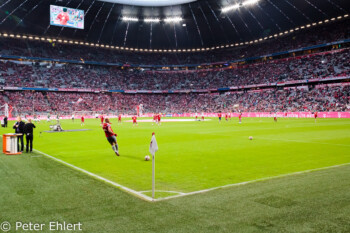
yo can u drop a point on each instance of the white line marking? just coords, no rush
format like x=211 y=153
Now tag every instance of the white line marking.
x=251 y=181
x=135 y=193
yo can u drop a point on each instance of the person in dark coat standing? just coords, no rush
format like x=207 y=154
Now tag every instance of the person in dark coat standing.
x=28 y=130
x=19 y=128
x=5 y=121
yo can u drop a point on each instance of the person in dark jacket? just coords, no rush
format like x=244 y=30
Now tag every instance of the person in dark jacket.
x=5 y=121
x=19 y=128
x=28 y=130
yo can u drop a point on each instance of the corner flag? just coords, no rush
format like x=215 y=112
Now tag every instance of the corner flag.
x=153 y=147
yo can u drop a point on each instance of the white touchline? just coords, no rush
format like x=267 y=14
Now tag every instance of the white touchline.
x=140 y=194
x=137 y=194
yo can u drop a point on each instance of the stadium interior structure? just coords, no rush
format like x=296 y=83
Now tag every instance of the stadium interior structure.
x=267 y=56
x=248 y=100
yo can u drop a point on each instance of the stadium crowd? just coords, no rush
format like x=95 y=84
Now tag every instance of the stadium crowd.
x=333 y=63
x=321 y=98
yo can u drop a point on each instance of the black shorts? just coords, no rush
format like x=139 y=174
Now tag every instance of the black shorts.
x=220 y=118
x=112 y=139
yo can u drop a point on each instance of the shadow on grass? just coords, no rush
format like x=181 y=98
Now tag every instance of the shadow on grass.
x=132 y=157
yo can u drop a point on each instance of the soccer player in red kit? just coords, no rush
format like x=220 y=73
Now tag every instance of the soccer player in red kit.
x=82 y=119
x=120 y=118
x=275 y=117
x=134 y=120
x=219 y=115
x=226 y=117
x=63 y=17
x=102 y=118
x=111 y=136
x=202 y=117
x=315 y=115
x=154 y=119
x=240 y=117
x=159 y=117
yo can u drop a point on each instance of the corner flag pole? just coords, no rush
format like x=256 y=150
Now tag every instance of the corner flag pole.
x=153 y=176
x=153 y=148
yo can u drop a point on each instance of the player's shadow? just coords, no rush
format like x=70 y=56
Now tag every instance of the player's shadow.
x=132 y=157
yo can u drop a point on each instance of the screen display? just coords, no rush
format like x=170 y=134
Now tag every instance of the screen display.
x=66 y=17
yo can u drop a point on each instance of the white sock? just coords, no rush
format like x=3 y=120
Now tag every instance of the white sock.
x=113 y=148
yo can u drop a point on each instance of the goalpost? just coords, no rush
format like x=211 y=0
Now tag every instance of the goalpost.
x=6 y=110
x=139 y=110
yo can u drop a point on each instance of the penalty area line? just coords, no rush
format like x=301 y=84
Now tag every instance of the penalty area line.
x=251 y=181
x=126 y=189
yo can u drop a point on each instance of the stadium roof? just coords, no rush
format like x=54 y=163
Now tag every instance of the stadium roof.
x=150 y=2
x=198 y=24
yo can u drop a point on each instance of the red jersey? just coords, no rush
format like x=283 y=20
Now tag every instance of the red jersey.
x=106 y=128
x=219 y=115
x=315 y=114
x=102 y=118
x=159 y=117
x=63 y=17
x=82 y=119
x=119 y=117
x=240 y=116
x=134 y=118
x=226 y=116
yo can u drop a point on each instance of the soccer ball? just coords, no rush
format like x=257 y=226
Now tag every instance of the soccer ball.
x=250 y=138
x=147 y=158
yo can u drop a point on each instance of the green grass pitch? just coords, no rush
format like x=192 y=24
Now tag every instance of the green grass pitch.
x=195 y=155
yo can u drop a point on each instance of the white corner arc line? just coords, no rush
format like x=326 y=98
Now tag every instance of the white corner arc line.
x=126 y=189
x=250 y=181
